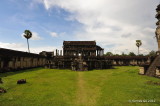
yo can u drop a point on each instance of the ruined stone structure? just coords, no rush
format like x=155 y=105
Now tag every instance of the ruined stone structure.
x=86 y=55
x=127 y=60
x=82 y=48
x=158 y=26
x=78 y=56
x=11 y=60
x=153 y=69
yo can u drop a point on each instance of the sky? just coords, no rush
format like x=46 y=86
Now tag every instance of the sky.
x=115 y=25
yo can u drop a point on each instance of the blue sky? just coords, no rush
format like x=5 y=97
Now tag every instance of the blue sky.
x=115 y=25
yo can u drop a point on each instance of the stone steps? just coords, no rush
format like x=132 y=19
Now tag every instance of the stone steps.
x=152 y=68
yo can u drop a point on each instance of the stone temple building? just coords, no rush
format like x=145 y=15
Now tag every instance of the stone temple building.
x=87 y=55
x=78 y=55
x=82 y=48
x=153 y=69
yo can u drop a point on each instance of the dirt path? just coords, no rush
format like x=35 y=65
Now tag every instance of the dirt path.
x=86 y=95
x=81 y=93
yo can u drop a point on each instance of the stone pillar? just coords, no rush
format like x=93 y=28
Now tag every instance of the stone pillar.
x=53 y=53
x=103 y=51
x=114 y=62
x=2 y=64
x=157 y=72
x=97 y=52
x=10 y=64
x=61 y=53
x=141 y=70
x=56 y=52
x=158 y=28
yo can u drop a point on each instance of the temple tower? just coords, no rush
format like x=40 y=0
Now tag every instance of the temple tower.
x=158 y=27
x=154 y=69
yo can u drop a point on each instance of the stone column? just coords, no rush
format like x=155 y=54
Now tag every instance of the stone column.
x=141 y=70
x=157 y=72
x=53 y=53
x=56 y=52
x=158 y=28
x=97 y=52
x=103 y=51
x=1 y=64
x=61 y=52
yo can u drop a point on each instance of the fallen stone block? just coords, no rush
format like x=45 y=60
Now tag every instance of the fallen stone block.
x=22 y=81
x=2 y=90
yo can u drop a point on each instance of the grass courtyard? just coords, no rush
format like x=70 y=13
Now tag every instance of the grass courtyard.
x=121 y=86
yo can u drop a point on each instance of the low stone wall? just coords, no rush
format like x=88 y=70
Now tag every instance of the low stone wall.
x=98 y=62
x=11 y=60
x=127 y=60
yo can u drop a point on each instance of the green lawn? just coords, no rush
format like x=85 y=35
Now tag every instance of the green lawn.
x=121 y=86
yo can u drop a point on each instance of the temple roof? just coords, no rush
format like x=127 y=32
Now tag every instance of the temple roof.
x=158 y=8
x=79 y=43
x=158 y=15
x=99 y=48
x=9 y=52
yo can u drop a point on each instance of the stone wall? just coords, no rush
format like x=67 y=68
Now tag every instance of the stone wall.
x=96 y=62
x=11 y=60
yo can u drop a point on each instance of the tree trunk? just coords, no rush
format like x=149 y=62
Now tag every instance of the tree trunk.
x=138 y=50
x=28 y=46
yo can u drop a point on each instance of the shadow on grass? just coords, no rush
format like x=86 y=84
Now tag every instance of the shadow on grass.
x=18 y=71
x=114 y=67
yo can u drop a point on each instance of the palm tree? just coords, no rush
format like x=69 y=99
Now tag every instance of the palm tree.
x=138 y=44
x=28 y=35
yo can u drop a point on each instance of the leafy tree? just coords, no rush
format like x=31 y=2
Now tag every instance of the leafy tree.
x=131 y=54
x=116 y=54
x=140 y=55
x=28 y=35
x=138 y=44
x=109 y=54
x=152 y=53
x=123 y=54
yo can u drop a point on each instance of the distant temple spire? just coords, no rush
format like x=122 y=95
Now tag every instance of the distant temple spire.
x=158 y=26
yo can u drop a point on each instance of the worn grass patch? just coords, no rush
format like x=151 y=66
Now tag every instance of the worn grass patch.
x=121 y=86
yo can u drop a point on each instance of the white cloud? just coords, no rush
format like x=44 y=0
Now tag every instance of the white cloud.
x=53 y=34
x=35 y=36
x=10 y=45
x=43 y=48
x=23 y=47
x=108 y=22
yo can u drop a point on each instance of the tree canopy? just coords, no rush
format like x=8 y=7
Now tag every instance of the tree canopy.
x=109 y=54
